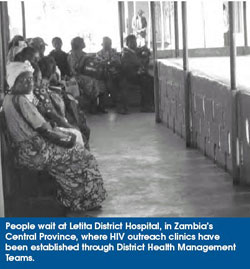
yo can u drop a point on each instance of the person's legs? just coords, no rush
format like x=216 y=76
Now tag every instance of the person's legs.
x=113 y=85
x=101 y=89
x=79 y=179
x=122 y=96
x=147 y=93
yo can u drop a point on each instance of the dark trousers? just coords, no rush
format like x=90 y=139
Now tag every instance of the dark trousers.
x=146 y=84
x=112 y=84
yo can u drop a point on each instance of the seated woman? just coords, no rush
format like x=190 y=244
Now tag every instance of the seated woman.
x=38 y=146
x=56 y=106
x=15 y=43
x=90 y=87
x=31 y=55
x=61 y=103
x=44 y=103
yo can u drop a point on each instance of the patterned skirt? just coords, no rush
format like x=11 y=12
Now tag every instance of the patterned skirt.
x=89 y=86
x=75 y=170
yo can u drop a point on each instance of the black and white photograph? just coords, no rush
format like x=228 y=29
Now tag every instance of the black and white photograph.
x=124 y=109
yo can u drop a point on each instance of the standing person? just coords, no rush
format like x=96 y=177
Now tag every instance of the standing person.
x=139 y=25
x=60 y=56
x=40 y=147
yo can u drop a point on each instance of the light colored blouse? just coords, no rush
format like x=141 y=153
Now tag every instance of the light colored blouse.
x=76 y=60
x=18 y=127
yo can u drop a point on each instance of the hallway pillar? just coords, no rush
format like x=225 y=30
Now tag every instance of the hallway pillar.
x=121 y=22
x=3 y=8
x=4 y=39
x=186 y=72
x=23 y=19
x=245 y=23
x=156 y=79
x=176 y=29
x=233 y=54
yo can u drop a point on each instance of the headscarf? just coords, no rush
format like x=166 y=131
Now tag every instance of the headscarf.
x=15 y=50
x=14 y=69
x=38 y=44
x=19 y=48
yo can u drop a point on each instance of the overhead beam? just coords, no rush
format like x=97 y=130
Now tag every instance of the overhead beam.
x=156 y=80
x=233 y=53
x=186 y=73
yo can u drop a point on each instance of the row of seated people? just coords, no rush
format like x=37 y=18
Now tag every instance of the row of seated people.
x=46 y=128
x=108 y=73
x=46 y=122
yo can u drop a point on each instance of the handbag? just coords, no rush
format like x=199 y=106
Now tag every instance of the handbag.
x=55 y=135
x=72 y=87
x=93 y=67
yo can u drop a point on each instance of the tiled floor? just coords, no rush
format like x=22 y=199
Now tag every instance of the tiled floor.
x=148 y=172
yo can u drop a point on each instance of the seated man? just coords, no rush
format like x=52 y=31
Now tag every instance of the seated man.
x=60 y=56
x=112 y=62
x=135 y=72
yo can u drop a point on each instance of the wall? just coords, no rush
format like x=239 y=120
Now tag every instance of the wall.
x=211 y=113
x=243 y=104
x=211 y=118
x=172 y=104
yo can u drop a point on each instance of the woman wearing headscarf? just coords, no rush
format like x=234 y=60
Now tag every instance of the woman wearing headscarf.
x=51 y=102
x=90 y=87
x=52 y=111
x=16 y=45
x=38 y=146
